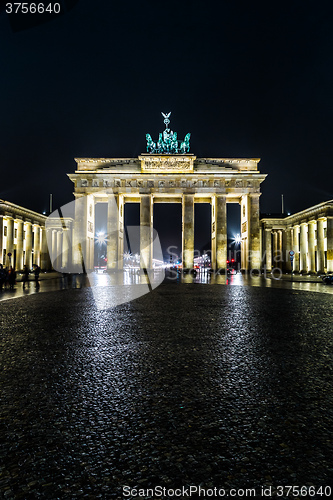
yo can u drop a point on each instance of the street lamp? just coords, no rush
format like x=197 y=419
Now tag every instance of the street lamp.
x=101 y=240
x=237 y=241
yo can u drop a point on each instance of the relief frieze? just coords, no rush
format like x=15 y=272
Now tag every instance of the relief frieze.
x=165 y=163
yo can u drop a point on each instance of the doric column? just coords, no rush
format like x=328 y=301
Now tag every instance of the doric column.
x=45 y=262
x=280 y=261
x=121 y=218
x=80 y=233
x=296 y=248
x=112 y=230
x=286 y=247
x=311 y=246
x=303 y=249
x=329 y=235
x=245 y=232
x=213 y=233
x=54 y=250
x=28 y=244
x=275 y=249
x=90 y=232
x=65 y=248
x=10 y=242
x=188 y=231
x=219 y=232
x=268 y=249
x=320 y=246
x=19 y=245
x=145 y=232
x=36 y=245
x=254 y=233
x=59 y=250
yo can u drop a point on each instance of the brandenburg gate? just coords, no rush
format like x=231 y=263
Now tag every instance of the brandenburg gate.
x=167 y=173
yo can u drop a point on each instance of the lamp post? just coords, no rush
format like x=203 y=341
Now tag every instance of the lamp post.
x=237 y=241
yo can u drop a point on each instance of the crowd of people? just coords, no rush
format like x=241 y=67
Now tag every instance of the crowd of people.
x=8 y=277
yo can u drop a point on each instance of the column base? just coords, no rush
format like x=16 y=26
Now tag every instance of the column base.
x=220 y=271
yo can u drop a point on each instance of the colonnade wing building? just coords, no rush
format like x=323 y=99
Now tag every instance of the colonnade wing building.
x=158 y=178
x=22 y=237
x=308 y=234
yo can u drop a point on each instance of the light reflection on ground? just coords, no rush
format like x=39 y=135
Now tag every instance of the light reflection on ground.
x=128 y=278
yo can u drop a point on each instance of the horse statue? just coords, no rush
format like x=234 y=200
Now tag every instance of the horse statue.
x=167 y=139
x=185 y=146
x=160 y=143
x=151 y=145
x=174 y=143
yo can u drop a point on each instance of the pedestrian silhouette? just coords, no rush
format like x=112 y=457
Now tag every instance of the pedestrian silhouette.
x=36 y=273
x=11 y=277
x=25 y=279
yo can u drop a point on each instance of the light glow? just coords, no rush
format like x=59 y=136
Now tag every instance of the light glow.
x=101 y=238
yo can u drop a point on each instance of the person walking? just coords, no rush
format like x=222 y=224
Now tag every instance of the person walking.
x=25 y=278
x=36 y=273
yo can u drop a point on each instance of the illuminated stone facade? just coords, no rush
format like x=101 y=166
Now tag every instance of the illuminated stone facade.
x=22 y=237
x=308 y=233
x=181 y=178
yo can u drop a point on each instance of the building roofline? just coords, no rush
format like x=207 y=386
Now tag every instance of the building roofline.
x=9 y=204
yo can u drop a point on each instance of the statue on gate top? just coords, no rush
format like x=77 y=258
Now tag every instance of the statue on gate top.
x=167 y=141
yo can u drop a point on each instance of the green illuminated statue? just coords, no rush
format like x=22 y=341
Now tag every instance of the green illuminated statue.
x=151 y=145
x=167 y=141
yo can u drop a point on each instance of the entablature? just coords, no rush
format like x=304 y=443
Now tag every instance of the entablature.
x=92 y=183
x=160 y=164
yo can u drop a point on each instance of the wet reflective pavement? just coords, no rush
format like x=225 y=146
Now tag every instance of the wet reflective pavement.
x=55 y=282
x=191 y=384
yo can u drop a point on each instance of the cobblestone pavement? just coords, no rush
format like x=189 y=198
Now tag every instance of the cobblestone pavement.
x=227 y=387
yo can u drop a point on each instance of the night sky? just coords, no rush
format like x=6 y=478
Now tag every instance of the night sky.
x=247 y=79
